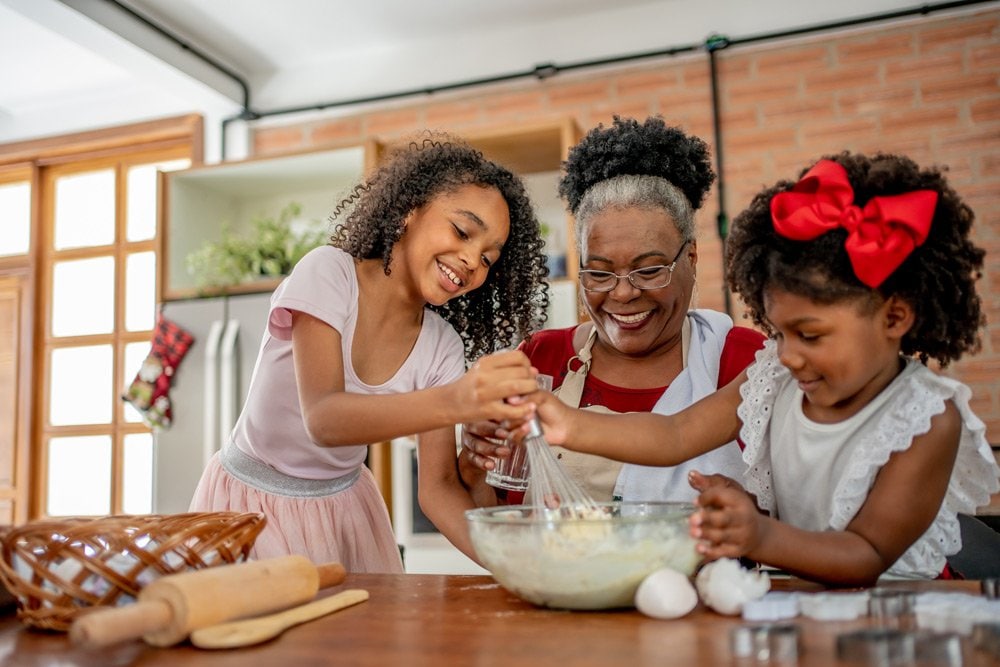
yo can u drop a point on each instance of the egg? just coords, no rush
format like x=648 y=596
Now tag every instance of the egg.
x=666 y=593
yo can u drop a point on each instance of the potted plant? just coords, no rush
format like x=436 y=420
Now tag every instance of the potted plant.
x=270 y=252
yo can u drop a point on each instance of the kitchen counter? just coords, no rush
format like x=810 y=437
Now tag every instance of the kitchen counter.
x=463 y=620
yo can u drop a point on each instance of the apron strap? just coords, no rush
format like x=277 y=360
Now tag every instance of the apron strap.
x=571 y=390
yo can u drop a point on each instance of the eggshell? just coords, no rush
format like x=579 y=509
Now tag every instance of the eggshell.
x=666 y=593
x=725 y=585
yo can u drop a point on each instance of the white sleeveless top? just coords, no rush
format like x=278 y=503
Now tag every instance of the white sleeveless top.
x=817 y=476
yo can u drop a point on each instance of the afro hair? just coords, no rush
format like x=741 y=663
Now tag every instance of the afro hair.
x=937 y=279
x=628 y=147
x=513 y=301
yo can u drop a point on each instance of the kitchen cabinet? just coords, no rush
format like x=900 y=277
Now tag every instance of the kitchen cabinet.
x=198 y=204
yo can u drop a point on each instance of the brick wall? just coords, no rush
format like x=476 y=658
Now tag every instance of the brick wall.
x=928 y=87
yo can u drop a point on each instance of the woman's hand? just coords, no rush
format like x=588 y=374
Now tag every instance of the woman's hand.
x=473 y=478
x=482 y=442
x=727 y=522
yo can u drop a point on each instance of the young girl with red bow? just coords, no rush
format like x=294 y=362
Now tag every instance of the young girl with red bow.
x=859 y=457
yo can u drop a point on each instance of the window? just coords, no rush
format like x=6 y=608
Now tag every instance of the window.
x=15 y=218
x=98 y=308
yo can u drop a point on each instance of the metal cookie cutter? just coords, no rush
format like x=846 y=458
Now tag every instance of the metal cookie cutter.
x=986 y=637
x=891 y=607
x=938 y=648
x=767 y=642
x=877 y=646
x=991 y=588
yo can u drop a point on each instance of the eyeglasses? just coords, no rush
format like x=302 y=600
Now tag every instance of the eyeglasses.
x=648 y=277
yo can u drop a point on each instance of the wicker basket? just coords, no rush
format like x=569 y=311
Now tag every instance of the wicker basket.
x=59 y=569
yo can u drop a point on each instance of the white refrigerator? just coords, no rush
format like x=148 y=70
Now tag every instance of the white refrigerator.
x=208 y=390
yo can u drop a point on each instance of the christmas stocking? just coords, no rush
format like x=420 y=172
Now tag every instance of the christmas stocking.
x=149 y=391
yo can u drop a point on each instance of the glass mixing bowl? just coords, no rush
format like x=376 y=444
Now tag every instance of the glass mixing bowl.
x=582 y=563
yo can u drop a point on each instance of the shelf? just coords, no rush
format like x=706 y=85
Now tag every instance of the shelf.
x=524 y=151
x=198 y=204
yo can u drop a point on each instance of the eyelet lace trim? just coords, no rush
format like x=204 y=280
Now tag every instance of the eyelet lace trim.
x=974 y=477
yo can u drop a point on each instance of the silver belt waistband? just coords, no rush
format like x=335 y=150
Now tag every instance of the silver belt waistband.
x=265 y=478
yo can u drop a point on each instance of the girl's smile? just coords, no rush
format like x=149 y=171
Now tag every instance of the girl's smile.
x=452 y=281
x=450 y=243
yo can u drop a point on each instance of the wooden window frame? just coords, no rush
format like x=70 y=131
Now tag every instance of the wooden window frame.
x=43 y=160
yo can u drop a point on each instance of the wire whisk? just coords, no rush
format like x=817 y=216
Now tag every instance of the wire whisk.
x=551 y=490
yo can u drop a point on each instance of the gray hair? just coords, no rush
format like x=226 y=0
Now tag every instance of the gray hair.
x=635 y=190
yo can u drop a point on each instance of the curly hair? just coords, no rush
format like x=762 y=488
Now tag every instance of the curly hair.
x=513 y=301
x=632 y=164
x=937 y=279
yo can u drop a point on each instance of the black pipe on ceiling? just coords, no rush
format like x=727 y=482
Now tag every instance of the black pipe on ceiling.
x=542 y=71
x=247 y=113
x=547 y=70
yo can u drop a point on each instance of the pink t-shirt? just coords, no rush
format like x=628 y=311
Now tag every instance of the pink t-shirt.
x=324 y=284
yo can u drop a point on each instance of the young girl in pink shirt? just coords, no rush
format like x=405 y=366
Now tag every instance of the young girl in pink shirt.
x=435 y=261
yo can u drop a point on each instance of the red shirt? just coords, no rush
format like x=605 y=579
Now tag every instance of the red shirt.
x=550 y=349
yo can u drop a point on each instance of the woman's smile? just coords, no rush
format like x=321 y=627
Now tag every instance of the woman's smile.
x=632 y=320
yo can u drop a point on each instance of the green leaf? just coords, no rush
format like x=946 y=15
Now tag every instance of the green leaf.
x=272 y=250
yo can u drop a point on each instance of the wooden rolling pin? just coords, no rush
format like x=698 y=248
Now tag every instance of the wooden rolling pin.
x=169 y=609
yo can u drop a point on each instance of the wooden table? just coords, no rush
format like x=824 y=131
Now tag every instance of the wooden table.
x=462 y=620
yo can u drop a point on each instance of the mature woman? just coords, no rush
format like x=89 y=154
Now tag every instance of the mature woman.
x=633 y=189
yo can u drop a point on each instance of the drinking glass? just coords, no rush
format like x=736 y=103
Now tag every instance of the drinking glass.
x=512 y=472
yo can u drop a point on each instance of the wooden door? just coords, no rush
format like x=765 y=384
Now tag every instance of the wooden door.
x=13 y=397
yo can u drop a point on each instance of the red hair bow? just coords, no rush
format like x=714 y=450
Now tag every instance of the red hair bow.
x=879 y=236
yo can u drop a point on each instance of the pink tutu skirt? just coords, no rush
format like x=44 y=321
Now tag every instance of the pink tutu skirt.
x=350 y=526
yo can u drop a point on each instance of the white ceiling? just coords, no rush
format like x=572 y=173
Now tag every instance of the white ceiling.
x=70 y=65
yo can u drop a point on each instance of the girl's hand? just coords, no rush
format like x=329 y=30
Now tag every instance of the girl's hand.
x=481 y=393
x=554 y=415
x=727 y=522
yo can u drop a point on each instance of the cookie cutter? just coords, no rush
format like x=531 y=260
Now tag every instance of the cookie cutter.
x=886 y=647
x=769 y=642
x=877 y=646
x=891 y=607
x=773 y=606
x=834 y=606
x=991 y=588
x=941 y=649
x=986 y=637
